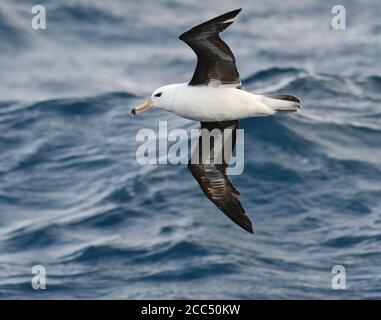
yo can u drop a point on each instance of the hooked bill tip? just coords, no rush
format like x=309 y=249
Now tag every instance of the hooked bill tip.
x=133 y=112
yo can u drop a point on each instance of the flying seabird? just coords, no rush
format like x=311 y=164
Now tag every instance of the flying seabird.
x=215 y=98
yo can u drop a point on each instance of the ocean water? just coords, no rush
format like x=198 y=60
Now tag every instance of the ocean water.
x=74 y=199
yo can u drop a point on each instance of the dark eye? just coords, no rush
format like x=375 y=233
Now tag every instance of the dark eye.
x=158 y=94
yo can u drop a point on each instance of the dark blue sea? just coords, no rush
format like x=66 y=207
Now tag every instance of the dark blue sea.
x=74 y=199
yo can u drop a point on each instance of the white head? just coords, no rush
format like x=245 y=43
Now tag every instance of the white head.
x=161 y=98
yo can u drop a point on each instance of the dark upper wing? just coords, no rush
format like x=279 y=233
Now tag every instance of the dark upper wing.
x=215 y=61
x=212 y=176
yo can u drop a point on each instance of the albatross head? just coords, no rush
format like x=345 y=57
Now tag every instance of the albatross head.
x=161 y=98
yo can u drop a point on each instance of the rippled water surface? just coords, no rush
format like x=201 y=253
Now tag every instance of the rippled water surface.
x=74 y=199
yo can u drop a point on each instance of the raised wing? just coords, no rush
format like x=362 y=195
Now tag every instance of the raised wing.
x=215 y=60
x=212 y=176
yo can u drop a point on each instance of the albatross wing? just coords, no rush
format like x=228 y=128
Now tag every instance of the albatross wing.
x=215 y=60
x=212 y=176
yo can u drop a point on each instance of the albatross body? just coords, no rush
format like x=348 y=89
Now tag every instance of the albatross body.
x=224 y=103
x=215 y=98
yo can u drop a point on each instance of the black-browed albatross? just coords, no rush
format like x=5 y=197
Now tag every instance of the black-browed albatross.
x=215 y=98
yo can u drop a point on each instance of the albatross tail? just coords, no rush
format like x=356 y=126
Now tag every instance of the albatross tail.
x=283 y=103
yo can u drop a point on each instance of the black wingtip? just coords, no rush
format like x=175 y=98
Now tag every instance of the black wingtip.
x=236 y=11
x=228 y=15
x=248 y=227
x=225 y=16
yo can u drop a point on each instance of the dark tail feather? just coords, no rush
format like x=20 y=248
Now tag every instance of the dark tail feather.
x=294 y=104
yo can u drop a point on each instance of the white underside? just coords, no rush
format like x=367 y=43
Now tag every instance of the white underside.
x=207 y=103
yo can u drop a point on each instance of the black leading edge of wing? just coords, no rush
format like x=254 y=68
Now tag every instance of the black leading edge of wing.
x=212 y=176
x=215 y=60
